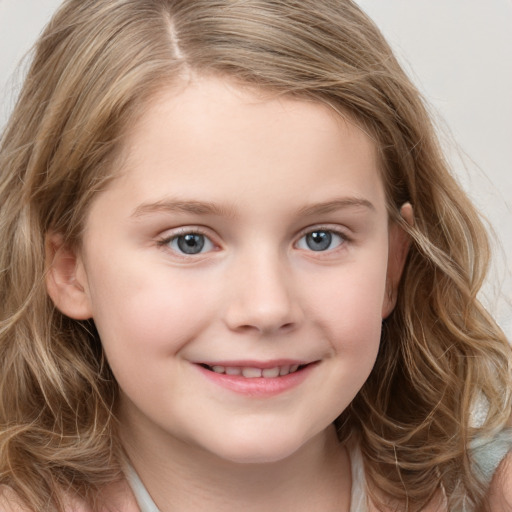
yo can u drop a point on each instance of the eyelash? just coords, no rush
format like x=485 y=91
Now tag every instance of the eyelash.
x=324 y=229
x=166 y=241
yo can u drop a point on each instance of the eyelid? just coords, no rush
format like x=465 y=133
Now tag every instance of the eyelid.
x=170 y=235
x=337 y=230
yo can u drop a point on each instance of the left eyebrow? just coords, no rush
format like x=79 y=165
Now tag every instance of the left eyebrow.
x=337 y=204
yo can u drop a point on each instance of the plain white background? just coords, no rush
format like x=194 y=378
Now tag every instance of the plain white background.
x=458 y=52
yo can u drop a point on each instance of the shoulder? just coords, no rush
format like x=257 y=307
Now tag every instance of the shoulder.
x=9 y=501
x=499 y=498
x=116 y=497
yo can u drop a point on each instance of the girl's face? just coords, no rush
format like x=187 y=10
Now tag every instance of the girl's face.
x=238 y=270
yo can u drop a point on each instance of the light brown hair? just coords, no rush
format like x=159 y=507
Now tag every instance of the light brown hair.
x=95 y=67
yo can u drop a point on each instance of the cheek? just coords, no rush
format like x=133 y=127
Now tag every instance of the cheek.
x=350 y=302
x=150 y=313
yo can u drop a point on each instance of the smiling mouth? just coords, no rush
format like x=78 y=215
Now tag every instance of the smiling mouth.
x=249 y=372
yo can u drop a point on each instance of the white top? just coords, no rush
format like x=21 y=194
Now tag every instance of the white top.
x=146 y=504
x=358 y=499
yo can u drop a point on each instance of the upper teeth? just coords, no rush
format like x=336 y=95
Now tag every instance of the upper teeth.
x=251 y=373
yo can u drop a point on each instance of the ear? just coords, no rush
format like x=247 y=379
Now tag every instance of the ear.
x=399 y=242
x=66 y=279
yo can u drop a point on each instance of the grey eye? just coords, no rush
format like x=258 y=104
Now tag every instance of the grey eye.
x=320 y=240
x=191 y=243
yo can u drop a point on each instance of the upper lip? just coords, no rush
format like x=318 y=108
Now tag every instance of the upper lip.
x=245 y=363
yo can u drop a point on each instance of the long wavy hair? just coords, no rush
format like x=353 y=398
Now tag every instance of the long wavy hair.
x=94 y=68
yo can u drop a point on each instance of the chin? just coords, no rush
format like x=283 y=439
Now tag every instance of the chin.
x=258 y=450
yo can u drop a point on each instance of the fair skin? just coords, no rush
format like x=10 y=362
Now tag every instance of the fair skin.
x=249 y=234
x=500 y=492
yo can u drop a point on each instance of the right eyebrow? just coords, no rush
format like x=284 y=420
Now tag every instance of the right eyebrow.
x=178 y=206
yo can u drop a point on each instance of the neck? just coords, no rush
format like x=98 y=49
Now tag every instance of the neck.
x=179 y=476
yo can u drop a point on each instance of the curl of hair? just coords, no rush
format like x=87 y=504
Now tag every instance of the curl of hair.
x=95 y=67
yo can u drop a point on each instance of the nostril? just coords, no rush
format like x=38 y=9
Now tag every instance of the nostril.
x=247 y=328
x=265 y=329
x=262 y=314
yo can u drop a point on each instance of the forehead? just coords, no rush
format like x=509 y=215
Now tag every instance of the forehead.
x=221 y=140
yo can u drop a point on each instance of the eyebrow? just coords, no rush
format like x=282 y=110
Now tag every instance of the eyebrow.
x=178 y=206
x=209 y=208
x=337 y=204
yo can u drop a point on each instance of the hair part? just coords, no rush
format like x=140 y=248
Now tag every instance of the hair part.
x=95 y=67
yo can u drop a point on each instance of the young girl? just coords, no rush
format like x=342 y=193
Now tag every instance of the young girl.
x=236 y=273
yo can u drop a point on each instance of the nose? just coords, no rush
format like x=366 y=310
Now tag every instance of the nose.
x=262 y=297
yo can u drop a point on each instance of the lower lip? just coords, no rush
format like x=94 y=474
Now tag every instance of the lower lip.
x=258 y=386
